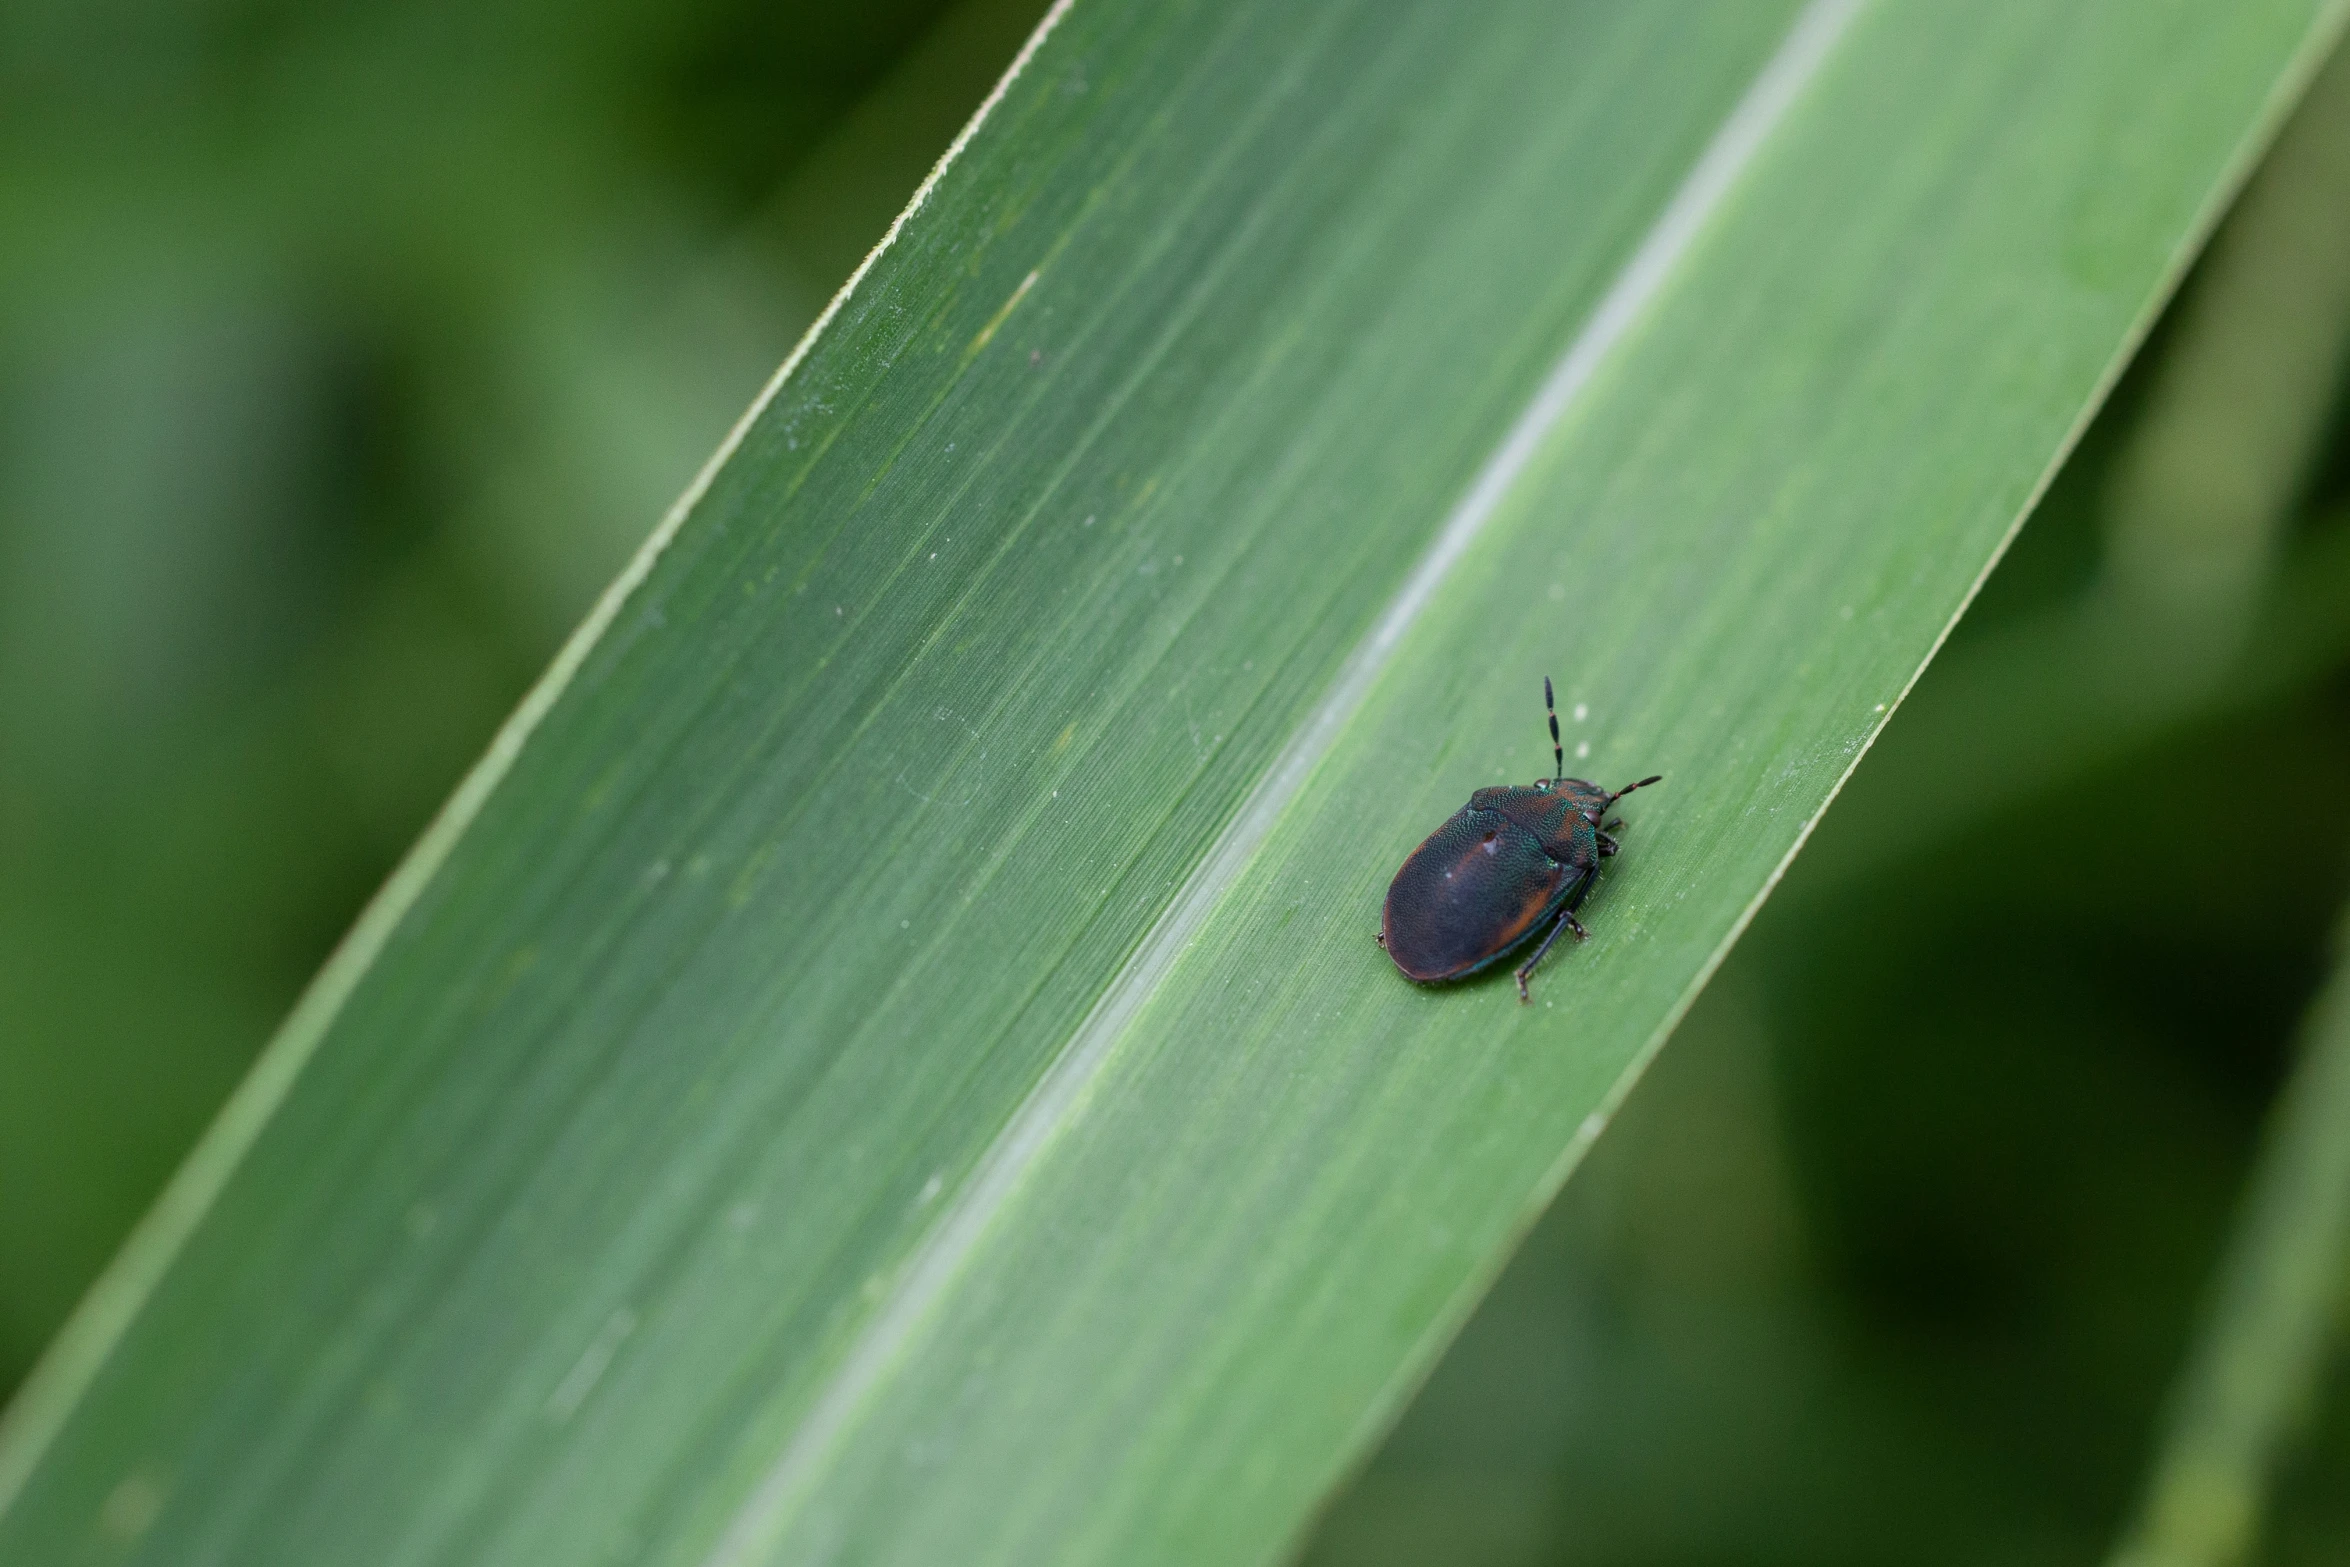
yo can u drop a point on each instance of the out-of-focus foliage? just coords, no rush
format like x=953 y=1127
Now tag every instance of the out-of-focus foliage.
x=345 y=351
x=1896 y=1251
x=2247 y=1393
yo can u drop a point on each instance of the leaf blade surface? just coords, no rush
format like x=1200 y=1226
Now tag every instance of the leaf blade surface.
x=643 y=1123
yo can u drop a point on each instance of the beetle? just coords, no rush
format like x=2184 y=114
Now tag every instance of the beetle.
x=1483 y=883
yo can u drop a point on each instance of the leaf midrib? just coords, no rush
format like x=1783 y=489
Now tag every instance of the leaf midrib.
x=928 y=1267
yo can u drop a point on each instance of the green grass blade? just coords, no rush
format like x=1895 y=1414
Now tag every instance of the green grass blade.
x=2238 y=418
x=2246 y=1390
x=886 y=1061
x=2200 y=608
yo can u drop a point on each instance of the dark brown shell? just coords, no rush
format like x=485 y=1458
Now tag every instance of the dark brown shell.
x=1478 y=886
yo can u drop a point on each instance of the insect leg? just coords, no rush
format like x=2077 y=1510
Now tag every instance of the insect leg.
x=1607 y=845
x=1575 y=901
x=1527 y=971
x=1566 y=921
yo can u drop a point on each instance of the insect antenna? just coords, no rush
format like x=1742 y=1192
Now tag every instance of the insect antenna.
x=1558 y=752
x=1628 y=788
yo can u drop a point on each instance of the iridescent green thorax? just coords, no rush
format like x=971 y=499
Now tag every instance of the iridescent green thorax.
x=1562 y=814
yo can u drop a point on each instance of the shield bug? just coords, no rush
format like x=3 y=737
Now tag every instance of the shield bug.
x=1515 y=858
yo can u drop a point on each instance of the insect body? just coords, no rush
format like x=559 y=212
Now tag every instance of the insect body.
x=1511 y=860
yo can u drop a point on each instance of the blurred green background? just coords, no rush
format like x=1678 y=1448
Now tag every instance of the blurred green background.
x=345 y=352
